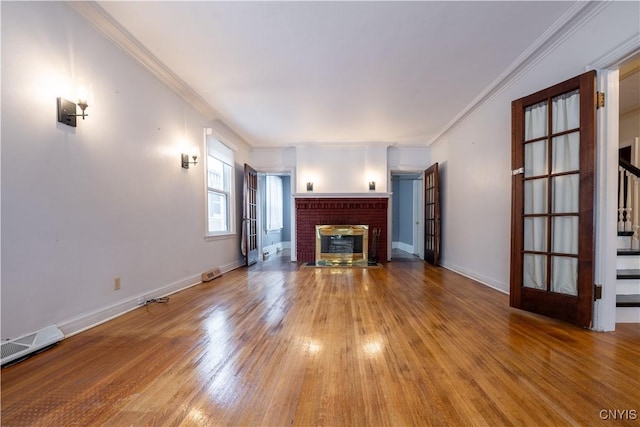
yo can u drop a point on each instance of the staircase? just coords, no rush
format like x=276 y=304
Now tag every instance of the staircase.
x=628 y=259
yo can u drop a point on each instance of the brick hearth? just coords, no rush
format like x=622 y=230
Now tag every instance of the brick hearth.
x=371 y=211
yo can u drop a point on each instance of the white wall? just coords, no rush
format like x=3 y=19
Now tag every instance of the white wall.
x=475 y=156
x=409 y=159
x=273 y=159
x=629 y=126
x=342 y=169
x=81 y=206
x=349 y=165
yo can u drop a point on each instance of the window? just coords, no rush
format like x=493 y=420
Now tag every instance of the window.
x=274 y=203
x=219 y=188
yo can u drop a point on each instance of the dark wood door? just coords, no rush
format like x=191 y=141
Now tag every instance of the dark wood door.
x=431 y=215
x=250 y=214
x=553 y=160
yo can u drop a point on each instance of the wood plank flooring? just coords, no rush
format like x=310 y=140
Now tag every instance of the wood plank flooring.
x=278 y=344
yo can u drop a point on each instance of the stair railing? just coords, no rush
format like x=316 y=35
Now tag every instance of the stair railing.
x=629 y=200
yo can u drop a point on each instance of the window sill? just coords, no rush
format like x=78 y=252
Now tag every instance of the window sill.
x=215 y=237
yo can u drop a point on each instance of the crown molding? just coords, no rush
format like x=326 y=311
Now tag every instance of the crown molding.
x=114 y=31
x=226 y=134
x=578 y=14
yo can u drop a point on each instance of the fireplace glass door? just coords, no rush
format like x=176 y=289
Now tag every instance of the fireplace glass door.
x=342 y=245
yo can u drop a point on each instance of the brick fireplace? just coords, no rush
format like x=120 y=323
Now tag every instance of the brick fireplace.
x=371 y=211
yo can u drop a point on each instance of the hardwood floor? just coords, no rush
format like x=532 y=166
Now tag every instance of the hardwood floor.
x=278 y=344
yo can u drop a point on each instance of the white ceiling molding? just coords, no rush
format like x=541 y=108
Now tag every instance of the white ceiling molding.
x=115 y=32
x=579 y=14
x=226 y=135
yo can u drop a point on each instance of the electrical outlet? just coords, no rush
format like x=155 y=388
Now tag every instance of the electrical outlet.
x=116 y=284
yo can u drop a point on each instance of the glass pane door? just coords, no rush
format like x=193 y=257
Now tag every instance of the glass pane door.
x=553 y=162
x=432 y=215
x=551 y=191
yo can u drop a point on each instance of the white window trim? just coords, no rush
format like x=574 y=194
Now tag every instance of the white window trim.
x=231 y=205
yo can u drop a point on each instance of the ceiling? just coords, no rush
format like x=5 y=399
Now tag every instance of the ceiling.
x=289 y=73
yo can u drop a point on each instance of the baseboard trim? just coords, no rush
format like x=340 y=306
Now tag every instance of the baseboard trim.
x=89 y=320
x=493 y=284
x=402 y=246
x=232 y=266
x=275 y=247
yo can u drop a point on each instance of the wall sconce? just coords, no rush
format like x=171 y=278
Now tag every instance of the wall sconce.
x=67 y=111
x=309 y=186
x=186 y=162
x=372 y=186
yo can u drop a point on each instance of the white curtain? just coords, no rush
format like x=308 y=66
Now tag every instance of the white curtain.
x=565 y=157
x=535 y=196
x=274 y=202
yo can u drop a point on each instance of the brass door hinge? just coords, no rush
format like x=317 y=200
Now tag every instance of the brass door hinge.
x=599 y=99
x=597 y=292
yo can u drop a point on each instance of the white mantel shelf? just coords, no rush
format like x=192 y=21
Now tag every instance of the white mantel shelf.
x=312 y=195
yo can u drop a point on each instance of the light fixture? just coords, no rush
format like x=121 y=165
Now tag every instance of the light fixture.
x=309 y=186
x=67 y=112
x=186 y=162
x=372 y=186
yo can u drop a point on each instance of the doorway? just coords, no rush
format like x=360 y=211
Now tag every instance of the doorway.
x=629 y=143
x=627 y=285
x=274 y=217
x=407 y=225
x=609 y=128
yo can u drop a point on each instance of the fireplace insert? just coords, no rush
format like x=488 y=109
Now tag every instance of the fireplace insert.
x=342 y=244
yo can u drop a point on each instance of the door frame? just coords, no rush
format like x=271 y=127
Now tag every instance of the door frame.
x=262 y=199
x=417 y=228
x=606 y=217
x=290 y=172
x=418 y=217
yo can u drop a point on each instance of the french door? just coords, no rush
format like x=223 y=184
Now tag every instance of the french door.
x=553 y=160
x=431 y=215
x=250 y=214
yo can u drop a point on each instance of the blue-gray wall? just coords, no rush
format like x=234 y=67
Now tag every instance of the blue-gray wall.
x=402 y=223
